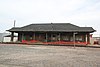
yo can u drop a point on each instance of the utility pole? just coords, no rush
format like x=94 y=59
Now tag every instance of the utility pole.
x=74 y=37
x=14 y=23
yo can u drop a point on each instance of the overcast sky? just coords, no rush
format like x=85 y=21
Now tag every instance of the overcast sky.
x=78 y=12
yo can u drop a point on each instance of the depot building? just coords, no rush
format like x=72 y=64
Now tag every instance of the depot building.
x=52 y=33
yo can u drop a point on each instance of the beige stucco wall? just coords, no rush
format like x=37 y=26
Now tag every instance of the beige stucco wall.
x=8 y=39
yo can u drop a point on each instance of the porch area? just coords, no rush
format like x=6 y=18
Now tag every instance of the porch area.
x=58 y=38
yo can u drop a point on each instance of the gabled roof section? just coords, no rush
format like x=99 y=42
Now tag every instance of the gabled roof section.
x=58 y=27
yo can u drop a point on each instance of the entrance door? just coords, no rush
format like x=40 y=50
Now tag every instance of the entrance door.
x=54 y=37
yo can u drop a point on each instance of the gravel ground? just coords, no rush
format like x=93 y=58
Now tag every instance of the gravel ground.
x=13 y=55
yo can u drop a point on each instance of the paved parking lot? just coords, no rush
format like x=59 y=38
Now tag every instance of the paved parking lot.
x=14 y=55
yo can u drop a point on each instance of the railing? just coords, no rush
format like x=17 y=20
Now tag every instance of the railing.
x=56 y=42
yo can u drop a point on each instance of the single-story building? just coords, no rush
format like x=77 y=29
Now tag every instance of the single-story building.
x=2 y=36
x=53 y=33
x=7 y=38
x=95 y=39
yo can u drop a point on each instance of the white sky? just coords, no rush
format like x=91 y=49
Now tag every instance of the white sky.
x=25 y=12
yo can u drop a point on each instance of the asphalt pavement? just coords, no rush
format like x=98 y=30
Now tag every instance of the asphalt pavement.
x=18 y=55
